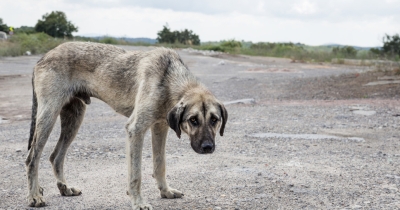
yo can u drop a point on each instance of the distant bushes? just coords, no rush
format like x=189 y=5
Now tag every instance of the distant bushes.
x=390 y=49
x=344 y=52
x=295 y=51
x=275 y=49
x=109 y=40
x=186 y=37
x=231 y=46
x=20 y=43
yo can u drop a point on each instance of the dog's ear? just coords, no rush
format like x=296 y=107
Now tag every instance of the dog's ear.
x=224 y=115
x=174 y=118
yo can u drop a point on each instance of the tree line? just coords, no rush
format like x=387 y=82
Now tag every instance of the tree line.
x=54 y=24
x=185 y=36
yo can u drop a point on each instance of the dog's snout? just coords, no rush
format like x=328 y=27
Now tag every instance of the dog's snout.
x=207 y=147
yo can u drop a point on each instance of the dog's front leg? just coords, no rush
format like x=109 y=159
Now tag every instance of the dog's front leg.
x=159 y=133
x=136 y=132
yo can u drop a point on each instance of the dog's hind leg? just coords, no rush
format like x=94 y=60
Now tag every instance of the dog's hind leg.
x=159 y=133
x=46 y=117
x=71 y=117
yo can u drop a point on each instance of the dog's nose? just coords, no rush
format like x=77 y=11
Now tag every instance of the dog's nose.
x=207 y=147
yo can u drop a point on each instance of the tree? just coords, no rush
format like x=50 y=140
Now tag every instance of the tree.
x=346 y=51
x=56 y=24
x=25 y=30
x=165 y=35
x=184 y=37
x=391 y=44
x=3 y=26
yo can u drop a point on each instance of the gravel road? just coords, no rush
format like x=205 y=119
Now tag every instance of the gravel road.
x=312 y=137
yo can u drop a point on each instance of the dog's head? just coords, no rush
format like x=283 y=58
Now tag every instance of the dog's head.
x=199 y=116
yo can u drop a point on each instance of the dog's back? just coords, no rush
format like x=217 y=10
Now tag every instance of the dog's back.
x=80 y=56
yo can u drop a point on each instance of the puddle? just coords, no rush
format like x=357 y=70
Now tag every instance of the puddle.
x=306 y=136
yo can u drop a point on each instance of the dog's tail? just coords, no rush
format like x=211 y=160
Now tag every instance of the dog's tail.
x=34 y=112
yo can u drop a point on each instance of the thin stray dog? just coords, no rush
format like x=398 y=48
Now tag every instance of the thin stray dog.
x=153 y=89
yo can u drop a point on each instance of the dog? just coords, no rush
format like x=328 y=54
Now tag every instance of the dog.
x=154 y=89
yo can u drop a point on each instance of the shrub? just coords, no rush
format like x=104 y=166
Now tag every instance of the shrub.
x=391 y=45
x=186 y=37
x=344 y=52
x=37 y=43
x=288 y=50
x=213 y=48
x=108 y=40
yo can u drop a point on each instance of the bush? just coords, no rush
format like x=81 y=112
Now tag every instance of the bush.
x=288 y=50
x=232 y=46
x=212 y=47
x=109 y=40
x=56 y=24
x=186 y=37
x=37 y=43
x=3 y=26
x=344 y=52
x=25 y=30
x=391 y=45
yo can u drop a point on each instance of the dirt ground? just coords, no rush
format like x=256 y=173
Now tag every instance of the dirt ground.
x=317 y=137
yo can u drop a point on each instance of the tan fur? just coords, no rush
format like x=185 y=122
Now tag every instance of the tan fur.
x=153 y=89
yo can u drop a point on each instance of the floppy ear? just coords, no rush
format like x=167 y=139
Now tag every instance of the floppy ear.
x=224 y=115
x=174 y=118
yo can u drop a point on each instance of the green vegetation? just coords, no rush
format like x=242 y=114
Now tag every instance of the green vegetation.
x=296 y=51
x=56 y=24
x=36 y=43
x=25 y=30
x=390 y=49
x=54 y=29
x=3 y=26
x=186 y=36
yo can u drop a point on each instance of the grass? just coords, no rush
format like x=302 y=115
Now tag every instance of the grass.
x=19 y=44
x=39 y=43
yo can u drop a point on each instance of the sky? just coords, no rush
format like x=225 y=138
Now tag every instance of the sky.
x=312 y=22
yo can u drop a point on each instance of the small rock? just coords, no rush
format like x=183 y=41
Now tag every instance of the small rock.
x=364 y=112
x=382 y=83
x=18 y=150
x=217 y=208
x=241 y=101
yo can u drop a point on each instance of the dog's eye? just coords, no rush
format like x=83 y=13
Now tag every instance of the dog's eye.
x=193 y=121
x=213 y=120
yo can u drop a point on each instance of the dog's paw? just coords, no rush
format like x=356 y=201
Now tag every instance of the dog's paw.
x=36 y=201
x=171 y=193
x=68 y=191
x=142 y=207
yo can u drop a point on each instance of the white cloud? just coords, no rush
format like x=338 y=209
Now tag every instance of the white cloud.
x=308 y=21
x=305 y=8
